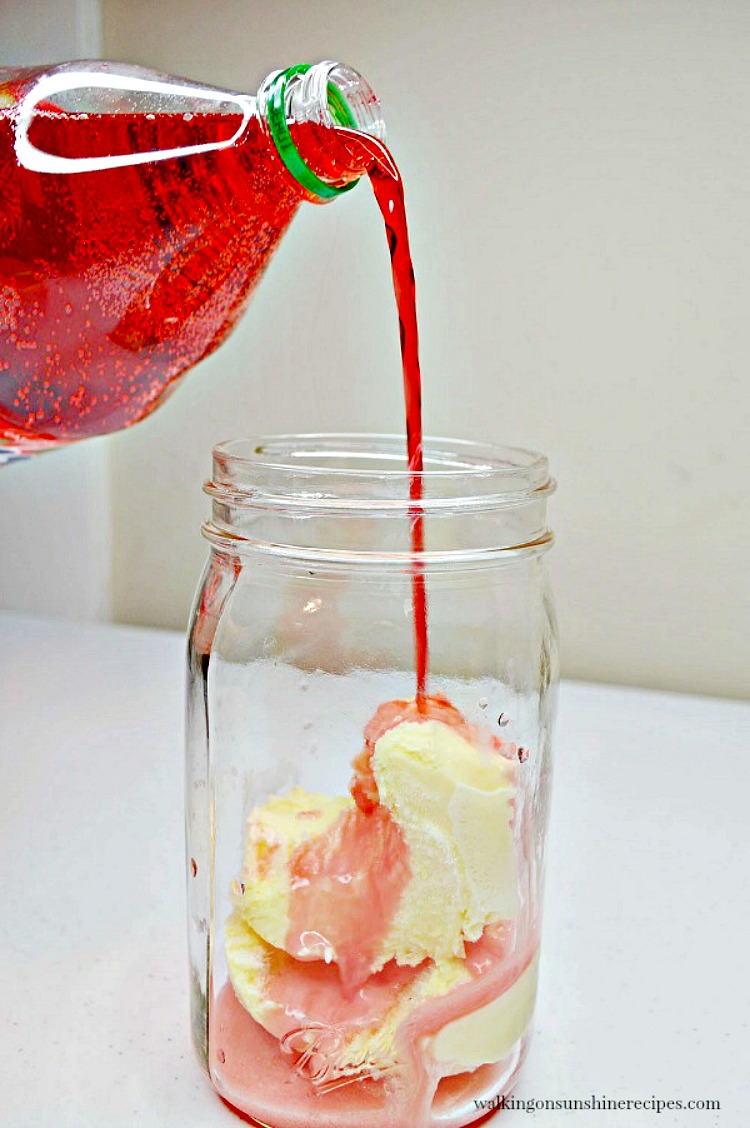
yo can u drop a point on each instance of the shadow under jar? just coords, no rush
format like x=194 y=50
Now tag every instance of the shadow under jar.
x=365 y=863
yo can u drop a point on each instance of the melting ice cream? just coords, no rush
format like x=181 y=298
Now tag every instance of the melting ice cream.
x=374 y=933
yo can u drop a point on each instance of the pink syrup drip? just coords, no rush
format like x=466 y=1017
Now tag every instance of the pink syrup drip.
x=346 y=887
x=312 y=995
x=288 y=1085
x=496 y=965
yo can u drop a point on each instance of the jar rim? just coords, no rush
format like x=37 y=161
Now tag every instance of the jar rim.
x=354 y=470
x=347 y=500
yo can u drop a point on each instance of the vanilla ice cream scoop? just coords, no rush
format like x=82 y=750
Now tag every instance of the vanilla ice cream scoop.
x=453 y=803
x=414 y=878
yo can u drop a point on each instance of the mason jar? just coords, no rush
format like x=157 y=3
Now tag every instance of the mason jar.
x=365 y=855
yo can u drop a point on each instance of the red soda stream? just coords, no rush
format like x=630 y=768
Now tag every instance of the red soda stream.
x=368 y=153
x=389 y=192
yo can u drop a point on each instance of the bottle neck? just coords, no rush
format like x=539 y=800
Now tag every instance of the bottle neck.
x=303 y=108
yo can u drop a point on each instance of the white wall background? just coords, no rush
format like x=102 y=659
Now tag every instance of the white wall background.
x=577 y=184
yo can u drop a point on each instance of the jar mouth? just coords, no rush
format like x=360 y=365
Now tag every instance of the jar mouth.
x=358 y=472
x=346 y=500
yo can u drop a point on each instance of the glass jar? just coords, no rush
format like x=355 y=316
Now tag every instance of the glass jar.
x=365 y=869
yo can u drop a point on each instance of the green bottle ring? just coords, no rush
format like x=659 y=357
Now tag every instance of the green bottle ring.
x=288 y=151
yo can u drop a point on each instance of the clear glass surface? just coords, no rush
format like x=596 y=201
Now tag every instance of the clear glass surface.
x=365 y=871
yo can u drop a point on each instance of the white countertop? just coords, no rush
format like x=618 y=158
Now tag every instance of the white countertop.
x=644 y=988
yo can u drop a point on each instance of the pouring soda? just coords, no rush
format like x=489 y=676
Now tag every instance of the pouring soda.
x=365 y=954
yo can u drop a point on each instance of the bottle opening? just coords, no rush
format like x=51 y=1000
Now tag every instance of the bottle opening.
x=327 y=95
